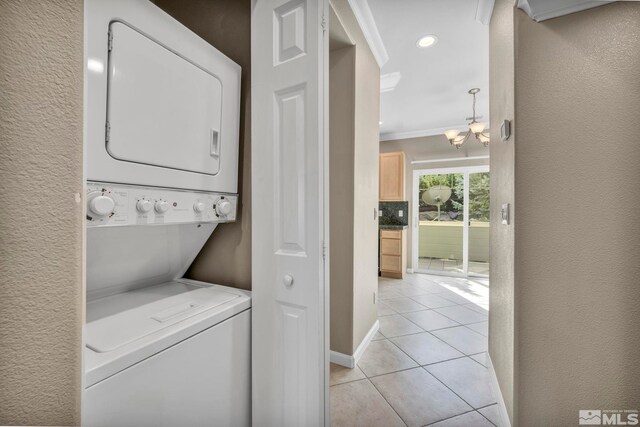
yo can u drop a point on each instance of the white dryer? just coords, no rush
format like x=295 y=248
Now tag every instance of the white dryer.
x=162 y=109
x=162 y=104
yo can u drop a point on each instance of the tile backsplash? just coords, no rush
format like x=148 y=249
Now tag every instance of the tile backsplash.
x=394 y=213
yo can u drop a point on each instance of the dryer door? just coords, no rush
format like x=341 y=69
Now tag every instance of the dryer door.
x=162 y=109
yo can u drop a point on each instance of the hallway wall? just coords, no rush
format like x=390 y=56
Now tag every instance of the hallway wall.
x=41 y=214
x=341 y=158
x=502 y=340
x=577 y=85
x=360 y=281
x=565 y=304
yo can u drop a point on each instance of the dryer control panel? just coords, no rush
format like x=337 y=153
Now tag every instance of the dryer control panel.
x=118 y=204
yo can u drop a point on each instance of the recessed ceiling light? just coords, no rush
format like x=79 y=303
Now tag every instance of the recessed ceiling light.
x=379 y=123
x=427 y=41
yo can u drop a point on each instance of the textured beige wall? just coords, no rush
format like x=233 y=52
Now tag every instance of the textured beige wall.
x=41 y=219
x=430 y=148
x=577 y=86
x=226 y=24
x=363 y=180
x=341 y=151
x=502 y=295
x=365 y=250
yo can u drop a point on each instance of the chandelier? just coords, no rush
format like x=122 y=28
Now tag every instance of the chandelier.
x=475 y=128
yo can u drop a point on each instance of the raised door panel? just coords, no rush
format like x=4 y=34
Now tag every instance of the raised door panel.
x=391 y=234
x=391 y=247
x=390 y=263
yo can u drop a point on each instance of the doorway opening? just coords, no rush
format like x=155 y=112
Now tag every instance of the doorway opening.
x=451 y=221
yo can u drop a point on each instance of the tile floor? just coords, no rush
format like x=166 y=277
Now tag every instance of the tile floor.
x=452 y=265
x=426 y=365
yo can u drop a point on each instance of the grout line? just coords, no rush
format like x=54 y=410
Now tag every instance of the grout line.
x=485 y=417
x=448 y=418
x=443 y=383
x=388 y=403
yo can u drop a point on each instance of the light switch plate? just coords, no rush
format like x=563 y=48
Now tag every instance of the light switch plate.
x=505 y=214
x=505 y=130
x=400 y=213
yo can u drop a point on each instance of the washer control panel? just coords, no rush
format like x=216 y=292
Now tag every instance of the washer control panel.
x=117 y=204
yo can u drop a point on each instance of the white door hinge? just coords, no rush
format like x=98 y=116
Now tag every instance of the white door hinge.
x=107 y=131
x=324 y=250
x=110 y=41
x=323 y=24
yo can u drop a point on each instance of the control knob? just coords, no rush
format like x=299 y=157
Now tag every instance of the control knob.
x=162 y=206
x=223 y=207
x=144 y=206
x=102 y=205
x=199 y=207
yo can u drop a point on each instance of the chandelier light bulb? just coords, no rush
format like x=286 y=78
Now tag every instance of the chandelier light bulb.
x=452 y=134
x=476 y=127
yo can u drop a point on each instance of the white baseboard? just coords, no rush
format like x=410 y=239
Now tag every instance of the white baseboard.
x=495 y=388
x=351 y=361
x=410 y=270
x=342 y=359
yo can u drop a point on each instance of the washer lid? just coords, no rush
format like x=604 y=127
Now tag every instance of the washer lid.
x=127 y=317
x=163 y=110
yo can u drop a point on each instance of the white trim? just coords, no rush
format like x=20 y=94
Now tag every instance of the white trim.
x=465 y=228
x=410 y=270
x=450 y=159
x=342 y=359
x=497 y=394
x=484 y=11
x=390 y=136
x=351 y=361
x=541 y=11
x=370 y=30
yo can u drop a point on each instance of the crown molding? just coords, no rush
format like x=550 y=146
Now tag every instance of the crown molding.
x=369 y=28
x=541 y=10
x=391 y=136
x=484 y=11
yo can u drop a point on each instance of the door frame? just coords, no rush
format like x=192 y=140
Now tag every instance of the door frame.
x=415 y=229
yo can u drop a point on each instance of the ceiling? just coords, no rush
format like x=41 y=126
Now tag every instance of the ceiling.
x=431 y=93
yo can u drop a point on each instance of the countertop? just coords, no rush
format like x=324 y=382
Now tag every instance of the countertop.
x=393 y=227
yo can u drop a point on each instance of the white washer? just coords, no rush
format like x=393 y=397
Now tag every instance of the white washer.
x=162 y=110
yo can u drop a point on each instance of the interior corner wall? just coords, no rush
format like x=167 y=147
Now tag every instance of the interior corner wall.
x=577 y=87
x=365 y=177
x=341 y=160
x=41 y=215
x=502 y=338
x=226 y=25
x=430 y=148
x=366 y=183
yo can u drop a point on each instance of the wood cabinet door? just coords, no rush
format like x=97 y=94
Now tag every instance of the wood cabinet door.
x=392 y=177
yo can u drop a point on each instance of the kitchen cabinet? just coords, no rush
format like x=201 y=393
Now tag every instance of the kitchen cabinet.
x=392 y=177
x=393 y=253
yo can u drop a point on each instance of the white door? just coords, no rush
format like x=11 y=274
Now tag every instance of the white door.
x=289 y=152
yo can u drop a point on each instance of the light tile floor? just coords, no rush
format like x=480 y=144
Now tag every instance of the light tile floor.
x=427 y=363
x=452 y=265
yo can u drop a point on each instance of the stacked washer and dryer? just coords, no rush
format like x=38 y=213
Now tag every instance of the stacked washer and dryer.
x=162 y=110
